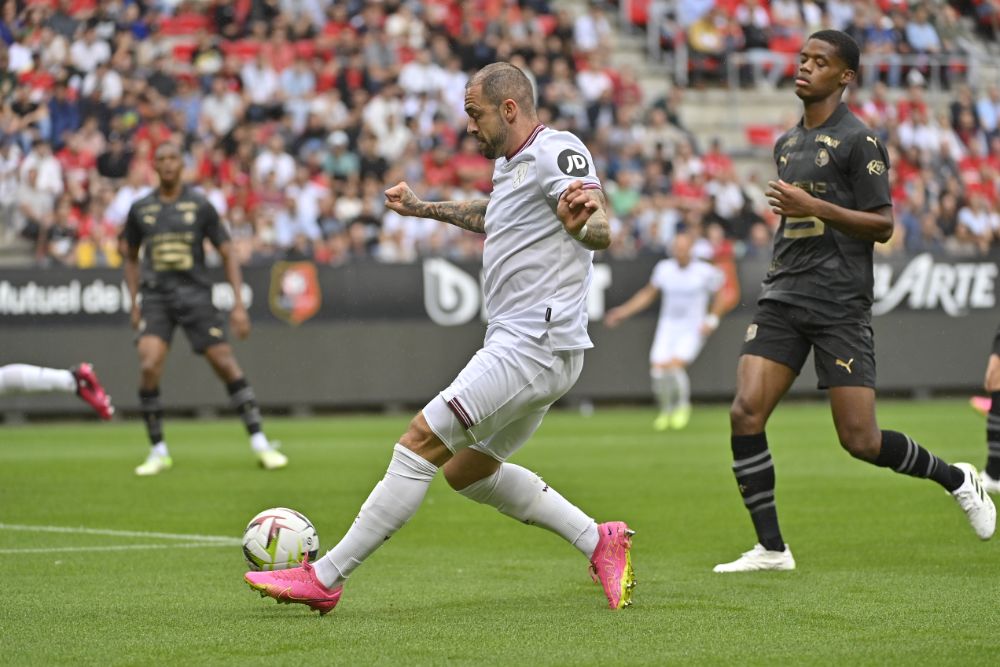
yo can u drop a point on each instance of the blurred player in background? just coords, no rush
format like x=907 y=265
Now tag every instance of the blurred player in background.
x=80 y=380
x=834 y=199
x=545 y=217
x=991 y=475
x=170 y=226
x=686 y=286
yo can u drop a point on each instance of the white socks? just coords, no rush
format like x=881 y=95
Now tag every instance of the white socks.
x=672 y=388
x=663 y=389
x=22 y=378
x=683 y=385
x=259 y=442
x=521 y=494
x=391 y=504
x=160 y=449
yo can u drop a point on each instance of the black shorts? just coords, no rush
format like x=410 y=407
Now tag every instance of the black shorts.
x=193 y=310
x=843 y=350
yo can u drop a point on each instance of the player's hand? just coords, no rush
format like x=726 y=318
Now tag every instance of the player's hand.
x=613 y=318
x=135 y=317
x=239 y=322
x=710 y=324
x=789 y=200
x=400 y=198
x=575 y=207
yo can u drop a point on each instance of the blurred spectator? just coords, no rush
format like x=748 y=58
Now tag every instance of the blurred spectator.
x=10 y=159
x=57 y=244
x=591 y=30
x=296 y=114
x=88 y=51
x=274 y=160
x=978 y=224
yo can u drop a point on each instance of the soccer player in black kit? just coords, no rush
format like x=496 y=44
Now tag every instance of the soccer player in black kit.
x=832 y=194
x=170 y=226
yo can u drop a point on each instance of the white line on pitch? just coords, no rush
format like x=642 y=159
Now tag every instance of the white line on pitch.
x=114 y=547
x=80 y=530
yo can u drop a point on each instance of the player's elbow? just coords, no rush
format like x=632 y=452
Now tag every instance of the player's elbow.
x=884 y=232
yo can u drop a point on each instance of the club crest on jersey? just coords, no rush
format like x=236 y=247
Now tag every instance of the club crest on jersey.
x=295 y=294
x=822 y=157
x=189 y=218
x=520 y=173
x=572 y=163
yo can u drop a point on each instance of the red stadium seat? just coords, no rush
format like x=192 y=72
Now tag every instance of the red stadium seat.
x=183 y=52
x=761 y=135
x=187 y=24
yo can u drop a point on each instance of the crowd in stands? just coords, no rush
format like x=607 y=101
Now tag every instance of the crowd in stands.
x=295 y=115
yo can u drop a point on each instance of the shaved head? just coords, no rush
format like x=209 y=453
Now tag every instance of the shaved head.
x=502 y=81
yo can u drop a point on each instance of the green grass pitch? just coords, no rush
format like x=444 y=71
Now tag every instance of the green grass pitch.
x=889 y=571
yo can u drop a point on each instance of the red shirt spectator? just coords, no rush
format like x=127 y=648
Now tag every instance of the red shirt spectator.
x=439 y=168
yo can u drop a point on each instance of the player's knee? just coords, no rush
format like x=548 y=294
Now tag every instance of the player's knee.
x=150 y=367
x=468 y=467
x=862 y=444
x=422 y=441
x=744 y=418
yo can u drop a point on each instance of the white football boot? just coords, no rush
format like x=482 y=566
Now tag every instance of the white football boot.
x=990 y=485
x=758 y=559
x=975 y=503
x=154 y=465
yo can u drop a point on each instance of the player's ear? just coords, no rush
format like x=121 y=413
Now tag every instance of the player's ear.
x=509 y=110
x=847 y=77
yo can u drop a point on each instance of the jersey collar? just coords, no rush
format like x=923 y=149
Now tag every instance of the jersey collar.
x=527 y=142
x=834 y=118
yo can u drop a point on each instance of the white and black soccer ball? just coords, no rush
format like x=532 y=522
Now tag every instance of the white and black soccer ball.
x=279 y=538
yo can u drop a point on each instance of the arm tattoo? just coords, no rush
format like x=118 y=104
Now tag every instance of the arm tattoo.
x=598 y=229
x=470 y=215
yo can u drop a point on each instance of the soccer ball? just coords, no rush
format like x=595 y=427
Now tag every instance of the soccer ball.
x=279 y=538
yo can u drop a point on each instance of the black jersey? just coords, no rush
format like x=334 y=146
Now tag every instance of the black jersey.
x=814 y=265
x=172 y=235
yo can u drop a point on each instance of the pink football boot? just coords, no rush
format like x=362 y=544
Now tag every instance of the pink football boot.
x=611 y=564
x=89 y=388
x=298 y=585
x=981 y=404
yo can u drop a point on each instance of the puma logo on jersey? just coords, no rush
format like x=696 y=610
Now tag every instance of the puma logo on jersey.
x=783 y=160
x=846 y=364
x=873 y=140
x=216 y=332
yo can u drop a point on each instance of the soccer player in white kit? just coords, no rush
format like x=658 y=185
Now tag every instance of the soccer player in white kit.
x=686 y=286
x=545 y=217
x=80 y=380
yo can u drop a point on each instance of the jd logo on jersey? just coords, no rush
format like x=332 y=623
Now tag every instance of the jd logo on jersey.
x=572 y=163
x=295 y=295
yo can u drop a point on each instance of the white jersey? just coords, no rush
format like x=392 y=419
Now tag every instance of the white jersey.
x=535 y=275
x=685 y=291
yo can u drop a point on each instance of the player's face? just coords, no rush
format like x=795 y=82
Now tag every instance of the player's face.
x=821 y=71
x=681 y=249
x=485 y=123
x=168 y=164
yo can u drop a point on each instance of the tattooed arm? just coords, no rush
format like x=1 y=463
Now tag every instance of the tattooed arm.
x=470 y=215
x=581 y=208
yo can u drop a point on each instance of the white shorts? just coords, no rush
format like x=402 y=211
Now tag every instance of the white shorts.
x=672 y=342
x=498 y=400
